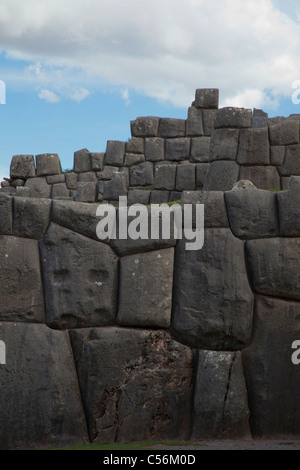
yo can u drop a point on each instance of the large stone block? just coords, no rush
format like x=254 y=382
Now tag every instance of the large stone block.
x=224 y=144
x=200 y=149
x=116 y=187
x=80 y=279
x=6 y=214
x=97 y=161
x=274 y=267
x=221 y=176
x=71 y=180
x=277 y=155
x=145 y=126
x=154 y=149
x=82 y=161
x=233 y=117
x=86 y=192
x=171 y=127
x=289 y=212
x=220 y=408
x=165 y=176
x=39 y=187
x=22 y=166
x=263 y=177
x=284 y=133
x=178 y=149
x=186 y=176
x=254 y=147
x=146 y=300
x=208 y=117
x=194 y=123
x=201 y=173
x=213 y=302
x=31 y=217
x=215 y=214
x=138 y=196
x=40 y=398
x=115 y=151
x=136 y=384
x=133 y=159
x=207 y=98
x=21 y=290
x=291 y=165
x=135 y=145
x=142 y=174
x=47 y=164
x=273 y=381
x=60 y=190
x=252 y=213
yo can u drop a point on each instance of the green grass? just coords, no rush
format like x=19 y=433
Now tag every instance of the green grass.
x=142 y=445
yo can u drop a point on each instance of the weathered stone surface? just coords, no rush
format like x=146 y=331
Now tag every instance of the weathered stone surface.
x=142 y=174
x=186 y=177
x=71 y=180
x=263 y=177
x=291 y=164
x=170 y=127
x=40 y=398
x=116 y=187
x=22 y=166
x=77 y=216
x=60 y=190
x=80 y=279
x=133 y=159
x=254 y=147
x=194 y=124
x=31 y=217
x=22 y=191
x=220 y=409
x=138 y=196
x=146 y=300
x=277 y=155
x=294 y=182
x=129 y=246
x=145 y=126
x=259 y=118
x=201 y=173
x=148 y=382
x=273 y=381
x=224 y=144
x=221 y=176
x=215 y=214
x=107 y=172
x=87 y=177
x=47 y=164
x=82 y=161
x=17 y=182
x=233 y=117
x=39 y=187
x=178 y=149
x=252 y=213
x=158 y=196
x=165 y=176
x=21 y=291
x=6 y=214
x=208 y=117
x=289 y=212
x=207 y=98
x=154 y=149
x=212 y=302
x=135 y=145
x=86 y=192
x=284 y=133
x=55 y=179
x=274 y=267
x=115 y=151
x=97 y=161
x=200 y=149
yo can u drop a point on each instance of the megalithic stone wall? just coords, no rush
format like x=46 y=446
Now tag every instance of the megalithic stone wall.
x=123 y=340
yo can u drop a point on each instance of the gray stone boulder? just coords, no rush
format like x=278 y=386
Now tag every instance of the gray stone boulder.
x=97 y=161
x=39 y=187
x=263 y=177
x=200 y=149
x=116 y=187
x=220 y=407
x=284 y=133
x=171 y=127
x=212 y=300
x=221 y=176
x=252 y=213
x=6 y=214
x=277 y=155
x=146 y=390
x=291 y=165
x=60 y=190
x=233 y=117
x=273 y=381
x=154 y=149
x=215 y=214
x=194 y=123
x=22 y=166
x=138 y=196
x=41 y=405
x=31 y=217
x=21 y=289
x=186 y=176
x=142 y=174
x=115 y=151
x=289 y=211
x=165 y=176
x=145 y=126
x=133 y=159
x=274 y=266
x=254 y=147
x=201 y=174
x=47 y=164
x=178 y=149
x=80 y=279
x=146 y=300
x=82 y=161
x=86 y=192
x=224 y=144
x=207 y=98
x=71 y=180
x=208 y=117
x=135 y=145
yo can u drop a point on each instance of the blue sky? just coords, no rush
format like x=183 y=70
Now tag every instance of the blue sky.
x=77 y=72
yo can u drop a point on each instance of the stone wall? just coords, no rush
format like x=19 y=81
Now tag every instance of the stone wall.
x=123 y=340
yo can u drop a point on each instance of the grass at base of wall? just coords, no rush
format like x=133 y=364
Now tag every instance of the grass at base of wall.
x=142 y=445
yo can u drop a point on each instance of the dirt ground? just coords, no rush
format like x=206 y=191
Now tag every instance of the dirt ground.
x=249 y=444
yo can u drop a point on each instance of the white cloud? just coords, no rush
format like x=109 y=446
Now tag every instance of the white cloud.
x=49 y=96
x=163 y=48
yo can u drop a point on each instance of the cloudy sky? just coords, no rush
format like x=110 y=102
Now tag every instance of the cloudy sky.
x=76 y=72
